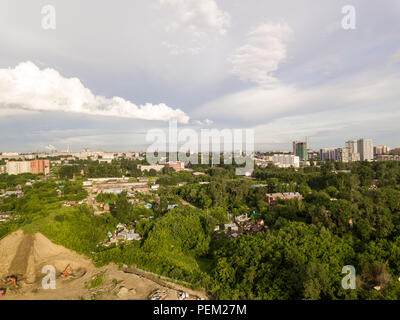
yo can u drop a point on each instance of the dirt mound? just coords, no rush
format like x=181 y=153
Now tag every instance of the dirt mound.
x=26 y=255
x=19 y=264
x=8 y=250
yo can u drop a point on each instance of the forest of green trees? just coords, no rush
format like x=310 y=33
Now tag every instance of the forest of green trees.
x=345 y=218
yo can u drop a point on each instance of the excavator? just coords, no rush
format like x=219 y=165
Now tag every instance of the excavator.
x=12 y=279
x=65 y=273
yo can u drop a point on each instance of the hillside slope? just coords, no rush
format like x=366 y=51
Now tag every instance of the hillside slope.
x=24 y=255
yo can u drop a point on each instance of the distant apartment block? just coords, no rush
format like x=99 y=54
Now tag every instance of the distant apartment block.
x=379 y=150
x=328 y=154
x=311 y=154
x=352 y=146
x=34 y=166
x=108 y=156
x=354 y=157
x=177 y=165
x=366 y=149
x=360 y=150
x=286 y=160
x=18 y=167
x=300 y=150
x=388 y=157
x=40 y=166
x=342 y=154
x=354 y=154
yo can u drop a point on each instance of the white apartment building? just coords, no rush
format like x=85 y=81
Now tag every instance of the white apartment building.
x=366 y=149
x=342 y=154
x=354 y=154
x=352 y=146
x=286 y=160
x=354 y=157
x=108 y=155
x=18 y=167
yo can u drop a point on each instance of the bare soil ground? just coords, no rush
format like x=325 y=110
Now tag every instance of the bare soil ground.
x=24 y=255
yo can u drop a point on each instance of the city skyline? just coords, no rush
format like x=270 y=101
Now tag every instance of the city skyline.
x=287 y=74
x=52 y=149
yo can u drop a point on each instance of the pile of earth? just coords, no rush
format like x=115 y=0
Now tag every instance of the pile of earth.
x=25 y=256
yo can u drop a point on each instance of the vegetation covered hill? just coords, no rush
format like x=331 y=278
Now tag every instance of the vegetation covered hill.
x=345 y=218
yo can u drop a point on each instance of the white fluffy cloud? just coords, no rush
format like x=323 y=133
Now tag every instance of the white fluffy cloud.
x=196 y=14
x=262 y=53
x=29 y=88
x=192 y=24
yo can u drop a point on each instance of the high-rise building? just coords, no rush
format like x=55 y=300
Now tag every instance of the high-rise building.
x=328 y=154
x=354 y=154
x=34 y=166
x=354 y=157
x=18 y=167
x=312 y=154
x=40 y=166
x=352 y=146
x=366 y=149
x=300 y=150
x=342 y=154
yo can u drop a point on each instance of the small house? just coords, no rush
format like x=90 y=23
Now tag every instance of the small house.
x=106 y=207
x=231 y=227
x=242 y=218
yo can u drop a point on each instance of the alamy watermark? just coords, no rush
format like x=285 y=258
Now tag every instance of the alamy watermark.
x=349 y=281
x=349 y=20
x=49 y=17
x=49 y=281
x=185 y=145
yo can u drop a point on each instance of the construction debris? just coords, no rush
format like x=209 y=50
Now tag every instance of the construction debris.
x=158 y=294
x=182 y=295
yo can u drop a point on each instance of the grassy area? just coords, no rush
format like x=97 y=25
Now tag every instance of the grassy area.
x=205 y=265
x=96 y=282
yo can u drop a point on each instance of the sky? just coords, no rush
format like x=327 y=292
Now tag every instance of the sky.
x=111 y=71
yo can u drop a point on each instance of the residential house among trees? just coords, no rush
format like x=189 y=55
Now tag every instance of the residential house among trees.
x=272 y=198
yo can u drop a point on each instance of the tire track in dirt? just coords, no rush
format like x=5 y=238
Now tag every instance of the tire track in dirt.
x=19 y=264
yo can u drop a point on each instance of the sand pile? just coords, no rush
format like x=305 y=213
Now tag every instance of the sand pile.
x=24 y=255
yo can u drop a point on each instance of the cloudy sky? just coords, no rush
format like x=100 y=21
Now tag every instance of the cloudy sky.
x=112 y=70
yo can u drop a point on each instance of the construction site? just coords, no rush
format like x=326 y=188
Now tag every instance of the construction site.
x=24 y=257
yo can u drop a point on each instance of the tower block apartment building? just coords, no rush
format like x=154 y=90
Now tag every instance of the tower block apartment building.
x=33 y=166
